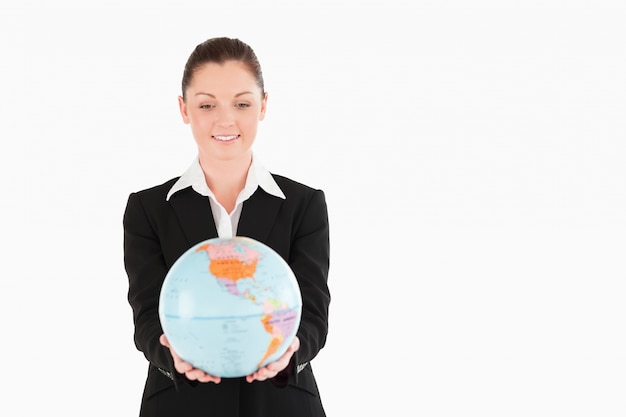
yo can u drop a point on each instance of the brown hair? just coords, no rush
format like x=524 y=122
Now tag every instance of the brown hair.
x=219 y=50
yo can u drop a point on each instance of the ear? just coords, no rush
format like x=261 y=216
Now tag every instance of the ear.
x=263 y=107
x=183 y=109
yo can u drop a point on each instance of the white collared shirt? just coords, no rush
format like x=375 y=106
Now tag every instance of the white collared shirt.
x=226 y=223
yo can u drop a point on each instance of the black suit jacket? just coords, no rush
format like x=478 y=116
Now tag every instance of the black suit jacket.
x=157 y=232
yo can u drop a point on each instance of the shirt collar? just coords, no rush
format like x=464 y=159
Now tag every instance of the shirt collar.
x=258 y=176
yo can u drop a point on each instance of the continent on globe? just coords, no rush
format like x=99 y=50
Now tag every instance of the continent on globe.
x=228 y=264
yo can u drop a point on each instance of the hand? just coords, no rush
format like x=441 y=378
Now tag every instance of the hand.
x=272 y=369
x=186 y=368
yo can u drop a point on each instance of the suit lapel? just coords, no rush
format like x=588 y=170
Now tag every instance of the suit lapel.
x=194 y=214
x=258 y=215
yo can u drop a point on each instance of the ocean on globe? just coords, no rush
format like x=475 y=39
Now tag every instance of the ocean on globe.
x=230 y=306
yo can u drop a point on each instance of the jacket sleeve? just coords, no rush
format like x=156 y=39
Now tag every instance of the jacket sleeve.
x=146 y=270
x=309 y=257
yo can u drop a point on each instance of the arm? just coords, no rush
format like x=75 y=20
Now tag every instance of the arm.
x=309 y=259
x=146 y=270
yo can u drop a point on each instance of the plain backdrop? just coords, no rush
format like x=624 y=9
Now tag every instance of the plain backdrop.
x=473 y=157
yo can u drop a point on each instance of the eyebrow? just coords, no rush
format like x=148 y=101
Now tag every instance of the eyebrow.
x=211 y=95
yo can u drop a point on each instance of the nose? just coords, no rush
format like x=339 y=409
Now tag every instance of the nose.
x=225 y=116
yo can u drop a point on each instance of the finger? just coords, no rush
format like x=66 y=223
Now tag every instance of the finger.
x=201 y=376
x=264 y=373
x=255 y=377
x=210 y=378
x=195 y=374
x=183 y=367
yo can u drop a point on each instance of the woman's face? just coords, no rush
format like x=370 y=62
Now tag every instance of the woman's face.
x=223 y=107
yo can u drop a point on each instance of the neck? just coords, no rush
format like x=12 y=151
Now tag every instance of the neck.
x=226 y=176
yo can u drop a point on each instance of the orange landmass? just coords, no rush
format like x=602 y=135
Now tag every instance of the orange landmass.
x=229 y=267
x=232 y=269
x=274 y=342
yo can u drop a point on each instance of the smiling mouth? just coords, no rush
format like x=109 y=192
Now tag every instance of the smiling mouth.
x=225 y=138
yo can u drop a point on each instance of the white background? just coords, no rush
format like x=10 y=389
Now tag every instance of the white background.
x=473 y=156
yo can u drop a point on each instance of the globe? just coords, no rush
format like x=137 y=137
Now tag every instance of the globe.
x=230 y=306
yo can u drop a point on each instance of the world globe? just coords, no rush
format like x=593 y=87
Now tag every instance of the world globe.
x=229 y=306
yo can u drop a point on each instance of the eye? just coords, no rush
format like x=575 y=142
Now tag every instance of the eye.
x=242 y=105
x=207 y=106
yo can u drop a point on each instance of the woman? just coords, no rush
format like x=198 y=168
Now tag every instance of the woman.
x=227 y=192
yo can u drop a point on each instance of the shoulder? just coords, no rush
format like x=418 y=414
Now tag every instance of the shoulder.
x=301 y=197
x=294 y=188
x=154 y=196
x=145 y=203
x=156 y=191
x=306 y=206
